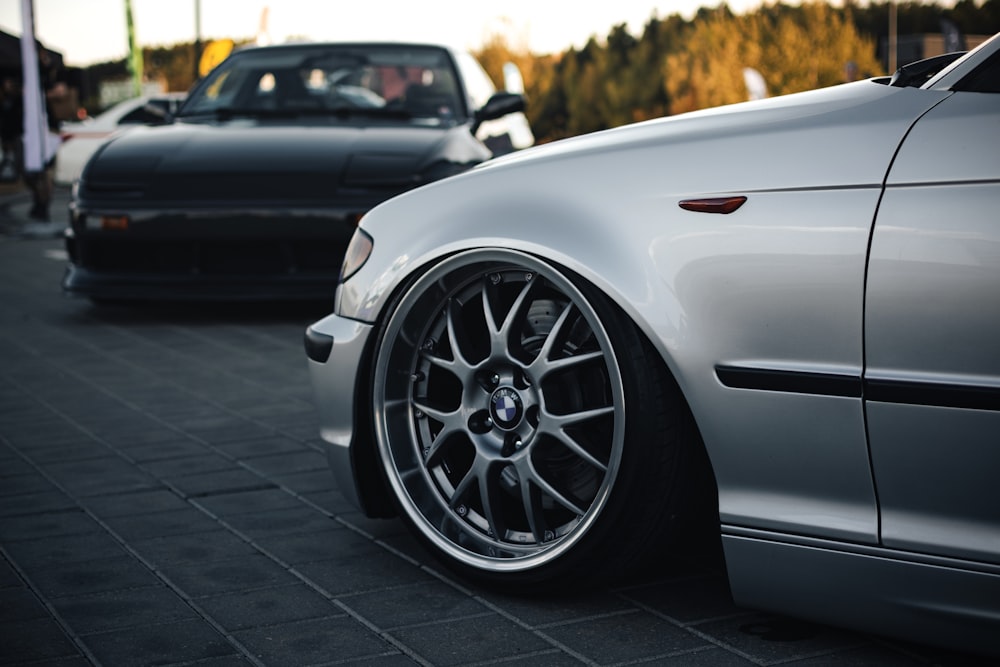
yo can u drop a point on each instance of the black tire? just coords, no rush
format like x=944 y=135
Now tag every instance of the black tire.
x=526 y=428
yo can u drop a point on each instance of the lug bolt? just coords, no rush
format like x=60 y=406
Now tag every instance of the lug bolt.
x=495 y=278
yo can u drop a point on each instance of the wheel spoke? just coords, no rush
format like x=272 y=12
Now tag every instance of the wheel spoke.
x=489 y=496
x=457 y=338
x=452 y=422
x=532 y=503
x=567 y=441
x=462 y=488
x=558 y=422
x=500 y=333
x=540 y=368
x=553 y=492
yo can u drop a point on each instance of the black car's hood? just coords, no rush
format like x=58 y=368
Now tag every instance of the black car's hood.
x=261 y=160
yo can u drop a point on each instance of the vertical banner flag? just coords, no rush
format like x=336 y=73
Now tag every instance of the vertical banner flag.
x=134 y=52
x=36 y=124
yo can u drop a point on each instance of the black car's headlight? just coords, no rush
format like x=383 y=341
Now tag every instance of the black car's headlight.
x=357 y=254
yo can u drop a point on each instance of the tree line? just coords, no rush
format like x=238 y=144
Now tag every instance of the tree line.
x=677 y=65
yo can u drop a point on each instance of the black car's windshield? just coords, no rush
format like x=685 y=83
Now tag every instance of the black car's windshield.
x=411 y=83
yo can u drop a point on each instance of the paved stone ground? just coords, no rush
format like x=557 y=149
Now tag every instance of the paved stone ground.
x=164 y=500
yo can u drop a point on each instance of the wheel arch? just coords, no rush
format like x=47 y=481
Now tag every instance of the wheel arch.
x=374 y=490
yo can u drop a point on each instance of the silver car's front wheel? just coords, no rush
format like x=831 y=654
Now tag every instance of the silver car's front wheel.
x=500 y=414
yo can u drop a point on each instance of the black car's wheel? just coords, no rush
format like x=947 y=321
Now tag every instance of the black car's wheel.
x=524 y=428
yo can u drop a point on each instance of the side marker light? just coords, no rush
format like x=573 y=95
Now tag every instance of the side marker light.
x=722 y=205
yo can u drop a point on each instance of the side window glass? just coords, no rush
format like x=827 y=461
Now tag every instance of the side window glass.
x=984 y=79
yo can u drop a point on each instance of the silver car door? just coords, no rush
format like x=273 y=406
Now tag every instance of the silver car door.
x=932 y=343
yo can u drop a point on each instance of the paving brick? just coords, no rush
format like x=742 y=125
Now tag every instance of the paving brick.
x=424 y=602
x=289 y=462
x=35 y=555
x=133 y=503
x=192 y=548
x=631 y=636
x=186 y=465
x=769 y=638
x=80 y=449
x=688 y=600
x=114 y=610
x=167 y=643
x=20 y=604
x=9 y=577
x=72 y=522
x=29 y=504
x=163 y=451
x=545 y=610
x=247 y=448
x=98 y=476
x=221 y=481
x=202 y=579
x=305 y=547
x=17 y=485
x=93 y=576
x=301 y=519
x=245 y=502
x=267 y=606
x=33 y=641
x=477 y=639
x=351 y=574
x=322 y=640
x=184 y=521
x=311 y=481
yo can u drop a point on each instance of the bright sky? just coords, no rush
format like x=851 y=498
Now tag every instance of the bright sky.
x=93 y=31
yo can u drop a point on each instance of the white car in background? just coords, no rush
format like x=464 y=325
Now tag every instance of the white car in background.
x=81 y=139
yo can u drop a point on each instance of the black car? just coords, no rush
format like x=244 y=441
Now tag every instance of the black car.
x=255 y=189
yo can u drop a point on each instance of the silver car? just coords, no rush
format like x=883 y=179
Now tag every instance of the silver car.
x=777 y=321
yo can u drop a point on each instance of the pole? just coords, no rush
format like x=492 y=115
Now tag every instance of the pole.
x=36 y=124
x=892 y=37
x=197 y=39
x=134 y=52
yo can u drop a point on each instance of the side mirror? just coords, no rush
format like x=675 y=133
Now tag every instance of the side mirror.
x=498 y=106
x=156 y=115
x=918 y=73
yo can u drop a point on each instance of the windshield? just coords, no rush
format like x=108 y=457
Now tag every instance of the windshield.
x=413 y=83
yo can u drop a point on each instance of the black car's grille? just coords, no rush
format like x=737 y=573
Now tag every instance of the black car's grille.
x=238 y=258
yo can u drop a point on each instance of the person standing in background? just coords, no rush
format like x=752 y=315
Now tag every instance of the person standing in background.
x=40 y=182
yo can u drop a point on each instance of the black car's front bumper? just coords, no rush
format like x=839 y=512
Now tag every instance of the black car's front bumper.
x=206 y=255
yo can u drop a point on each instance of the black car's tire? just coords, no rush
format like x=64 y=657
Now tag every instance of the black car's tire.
x=525 y=426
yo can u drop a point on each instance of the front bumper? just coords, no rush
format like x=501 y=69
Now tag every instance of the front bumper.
x=335 y=346
x=127 y=286
x=211 y=254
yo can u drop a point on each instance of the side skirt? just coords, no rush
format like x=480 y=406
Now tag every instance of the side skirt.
x=925 y=599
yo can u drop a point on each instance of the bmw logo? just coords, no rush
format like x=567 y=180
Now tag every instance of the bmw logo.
x=506 y=408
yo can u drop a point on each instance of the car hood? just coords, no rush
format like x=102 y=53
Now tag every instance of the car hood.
x=251 y=160
x=841 y=136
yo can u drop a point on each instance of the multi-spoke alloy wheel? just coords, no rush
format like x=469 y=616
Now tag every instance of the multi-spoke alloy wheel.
x=500 y=411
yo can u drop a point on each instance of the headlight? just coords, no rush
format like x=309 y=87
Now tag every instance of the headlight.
x=357 y=254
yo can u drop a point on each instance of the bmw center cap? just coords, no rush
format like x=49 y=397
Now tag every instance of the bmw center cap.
x=506 y=408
